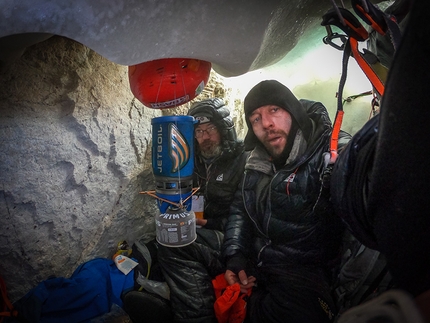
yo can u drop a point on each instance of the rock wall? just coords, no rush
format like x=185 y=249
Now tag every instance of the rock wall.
x=75 y=151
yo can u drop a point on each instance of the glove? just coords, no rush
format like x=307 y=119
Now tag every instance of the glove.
x=237 y=263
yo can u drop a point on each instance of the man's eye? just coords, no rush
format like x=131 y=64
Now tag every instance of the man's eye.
x=255 y=120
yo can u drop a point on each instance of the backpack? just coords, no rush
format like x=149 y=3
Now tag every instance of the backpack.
x=362 y=274
x=148 y=275
x=146 y=255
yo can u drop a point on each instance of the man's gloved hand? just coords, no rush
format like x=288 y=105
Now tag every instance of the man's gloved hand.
x=235 y=273
x=236 y=263
x=245 y=282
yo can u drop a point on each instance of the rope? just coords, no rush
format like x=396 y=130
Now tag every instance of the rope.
x=179 y=205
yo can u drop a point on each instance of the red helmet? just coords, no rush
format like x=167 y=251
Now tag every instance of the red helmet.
x=168 y=83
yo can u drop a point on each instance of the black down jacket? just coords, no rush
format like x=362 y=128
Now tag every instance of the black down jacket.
x=218 y=179
x=218 y=183
x=284 y=217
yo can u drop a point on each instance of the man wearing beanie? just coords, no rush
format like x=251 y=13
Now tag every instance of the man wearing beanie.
x=219 y=164
x=282 y=228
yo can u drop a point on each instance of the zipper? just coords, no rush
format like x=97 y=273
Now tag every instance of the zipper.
x=245 y=205
x=266 y=240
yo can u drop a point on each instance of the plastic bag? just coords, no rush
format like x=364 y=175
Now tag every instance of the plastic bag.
x=153 y=286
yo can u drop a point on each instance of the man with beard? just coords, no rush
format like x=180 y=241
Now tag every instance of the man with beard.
x=282 y=228
x=219 y=163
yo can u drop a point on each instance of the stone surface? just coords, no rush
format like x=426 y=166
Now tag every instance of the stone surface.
x=75 y=151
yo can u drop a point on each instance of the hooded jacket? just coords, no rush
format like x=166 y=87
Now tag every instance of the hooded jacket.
x=284 y=216
x=219 y=179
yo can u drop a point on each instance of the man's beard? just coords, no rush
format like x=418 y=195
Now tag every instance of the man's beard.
x=277 y=152
x=209 y=149
x=281 y=154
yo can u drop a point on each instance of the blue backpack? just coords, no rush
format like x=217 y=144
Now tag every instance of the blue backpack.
x=90 y=292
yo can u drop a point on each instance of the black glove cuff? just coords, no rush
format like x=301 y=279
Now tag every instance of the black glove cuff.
x=236 y=263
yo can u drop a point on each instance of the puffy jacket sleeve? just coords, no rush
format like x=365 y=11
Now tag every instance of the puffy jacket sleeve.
x=239 y=229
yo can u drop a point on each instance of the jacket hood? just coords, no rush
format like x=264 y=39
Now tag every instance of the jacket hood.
x=214 y=110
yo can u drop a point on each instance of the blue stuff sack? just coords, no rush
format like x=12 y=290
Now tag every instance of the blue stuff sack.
x=90 y=292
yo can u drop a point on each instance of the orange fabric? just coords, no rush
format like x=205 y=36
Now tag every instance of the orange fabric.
x=230 y=304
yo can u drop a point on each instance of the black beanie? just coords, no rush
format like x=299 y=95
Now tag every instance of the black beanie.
x=271 y=92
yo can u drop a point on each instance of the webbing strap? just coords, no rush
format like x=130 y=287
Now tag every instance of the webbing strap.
x=371 y=16
x=365 y=67
x=339 y=113
x=335 y=136
x=378 y=20
x=350 y=47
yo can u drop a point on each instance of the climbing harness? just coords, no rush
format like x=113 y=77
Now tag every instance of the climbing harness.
x=349 y=43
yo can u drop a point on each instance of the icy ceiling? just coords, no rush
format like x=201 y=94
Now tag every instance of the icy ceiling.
x=236 y=36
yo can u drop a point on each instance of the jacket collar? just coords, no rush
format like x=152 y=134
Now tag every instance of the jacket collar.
x=260 y=160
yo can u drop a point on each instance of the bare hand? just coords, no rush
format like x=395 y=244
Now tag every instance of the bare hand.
x=243 y=280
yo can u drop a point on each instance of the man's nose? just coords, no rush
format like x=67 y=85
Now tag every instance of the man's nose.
x=266 y=122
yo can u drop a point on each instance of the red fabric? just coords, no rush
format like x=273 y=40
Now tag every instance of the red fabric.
x=230 y=304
